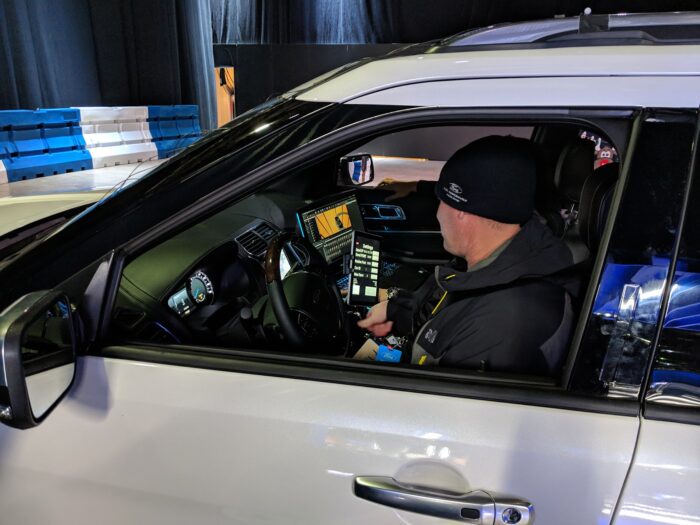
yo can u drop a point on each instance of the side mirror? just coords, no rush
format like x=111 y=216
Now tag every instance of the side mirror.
x=357 y=170
x=37 y=365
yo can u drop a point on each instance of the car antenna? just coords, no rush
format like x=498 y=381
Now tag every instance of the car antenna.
x=590 y=23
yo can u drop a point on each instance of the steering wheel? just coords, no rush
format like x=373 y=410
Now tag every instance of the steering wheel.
x=309 y=309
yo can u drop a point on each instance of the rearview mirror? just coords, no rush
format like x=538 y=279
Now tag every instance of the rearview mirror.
x=37 y=365
x=357 y=169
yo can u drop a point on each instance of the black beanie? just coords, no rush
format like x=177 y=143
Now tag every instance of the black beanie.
x=493 y=177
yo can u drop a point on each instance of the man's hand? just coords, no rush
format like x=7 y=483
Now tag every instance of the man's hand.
x=376 y=321
x=400 y=189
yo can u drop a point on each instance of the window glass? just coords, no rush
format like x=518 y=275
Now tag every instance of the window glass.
x=618 y=337
x=675 y=379
x=419 y=154
x=48 y=341
x=270 y=272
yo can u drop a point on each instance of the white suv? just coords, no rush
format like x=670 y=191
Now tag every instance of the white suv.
x=194 y=365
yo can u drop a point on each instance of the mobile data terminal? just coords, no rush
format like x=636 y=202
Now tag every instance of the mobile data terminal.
x=364 y=273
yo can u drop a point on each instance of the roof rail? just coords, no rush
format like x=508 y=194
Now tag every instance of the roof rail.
x=546 y=30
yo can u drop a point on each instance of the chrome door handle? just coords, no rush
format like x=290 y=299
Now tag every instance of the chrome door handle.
x=477 y=507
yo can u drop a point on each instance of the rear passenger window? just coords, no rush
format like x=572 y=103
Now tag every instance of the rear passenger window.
x=675 y=379
x=622 y=326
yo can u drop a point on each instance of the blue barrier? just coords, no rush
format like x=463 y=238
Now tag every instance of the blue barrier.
x=42 y=143
x=173 y=127
x=53 y=141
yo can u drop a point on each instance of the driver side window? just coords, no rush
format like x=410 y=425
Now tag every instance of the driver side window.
x=294 y=267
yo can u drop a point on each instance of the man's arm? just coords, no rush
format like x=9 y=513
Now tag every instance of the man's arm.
x=399 y=314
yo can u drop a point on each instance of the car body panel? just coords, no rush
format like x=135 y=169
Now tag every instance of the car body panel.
x=138 y=442
x=618 y=61
x=663 y=485
x=571 y=92
x=167 y=444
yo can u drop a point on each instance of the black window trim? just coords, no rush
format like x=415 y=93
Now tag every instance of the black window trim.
x=297 y=366
x=599 y=263
x=652 y=410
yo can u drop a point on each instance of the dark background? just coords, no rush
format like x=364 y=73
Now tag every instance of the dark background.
x=59 y=53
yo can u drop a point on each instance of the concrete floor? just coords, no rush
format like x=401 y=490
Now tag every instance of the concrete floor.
x=88 y=180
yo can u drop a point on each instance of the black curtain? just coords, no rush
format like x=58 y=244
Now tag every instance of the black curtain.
x=47 y=57
x=392 y=21
x=61 y=53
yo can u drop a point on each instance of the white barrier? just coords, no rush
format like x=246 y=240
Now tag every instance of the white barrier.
x=117 y=136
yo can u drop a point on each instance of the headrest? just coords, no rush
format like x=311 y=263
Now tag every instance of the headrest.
x=574 y=166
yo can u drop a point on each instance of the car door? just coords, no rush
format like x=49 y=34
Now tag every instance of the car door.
x=161 y=434
x=664 y=481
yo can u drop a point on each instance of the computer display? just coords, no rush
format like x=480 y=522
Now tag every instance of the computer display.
x=329 y=226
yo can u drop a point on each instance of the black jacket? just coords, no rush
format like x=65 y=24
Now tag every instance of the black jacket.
x=513 y=315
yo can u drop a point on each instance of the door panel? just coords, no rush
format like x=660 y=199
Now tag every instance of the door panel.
x=144 y=443
x=409 y=229
x=664 y=482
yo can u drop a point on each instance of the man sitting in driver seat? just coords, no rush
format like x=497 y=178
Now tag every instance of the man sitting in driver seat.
x=509 y=307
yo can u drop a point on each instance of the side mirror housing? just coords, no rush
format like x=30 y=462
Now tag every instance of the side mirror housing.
x=37 y=364
x=356 y=170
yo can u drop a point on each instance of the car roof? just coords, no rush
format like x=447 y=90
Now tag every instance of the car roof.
x=582 y=30
x=620 y=45
x=603 y=61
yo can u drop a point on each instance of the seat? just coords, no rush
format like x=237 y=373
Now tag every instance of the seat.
x=594 y=206
x=574 y=167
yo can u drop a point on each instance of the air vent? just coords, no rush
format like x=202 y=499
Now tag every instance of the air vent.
x=255 y=240
x=265 y=231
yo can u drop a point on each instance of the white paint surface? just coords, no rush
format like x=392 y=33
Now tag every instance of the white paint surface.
x=624 y=61
x=3 y=173
x=545 y=92
x=664 y=483
x=143 y=443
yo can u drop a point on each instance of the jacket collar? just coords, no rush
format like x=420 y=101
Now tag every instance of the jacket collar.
x=533 y=252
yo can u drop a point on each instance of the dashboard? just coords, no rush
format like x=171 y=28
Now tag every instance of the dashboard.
x=328 y=224
x=207 y=283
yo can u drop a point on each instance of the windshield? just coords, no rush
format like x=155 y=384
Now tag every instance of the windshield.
x=139 y=200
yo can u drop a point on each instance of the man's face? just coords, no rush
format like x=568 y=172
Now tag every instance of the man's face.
x=448 y=217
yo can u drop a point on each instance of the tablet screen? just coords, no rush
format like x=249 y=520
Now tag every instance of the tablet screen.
x=364 y=277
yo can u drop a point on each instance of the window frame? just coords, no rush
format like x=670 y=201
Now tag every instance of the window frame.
x=651 y=115
x=650 y=409
x=493 y=388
